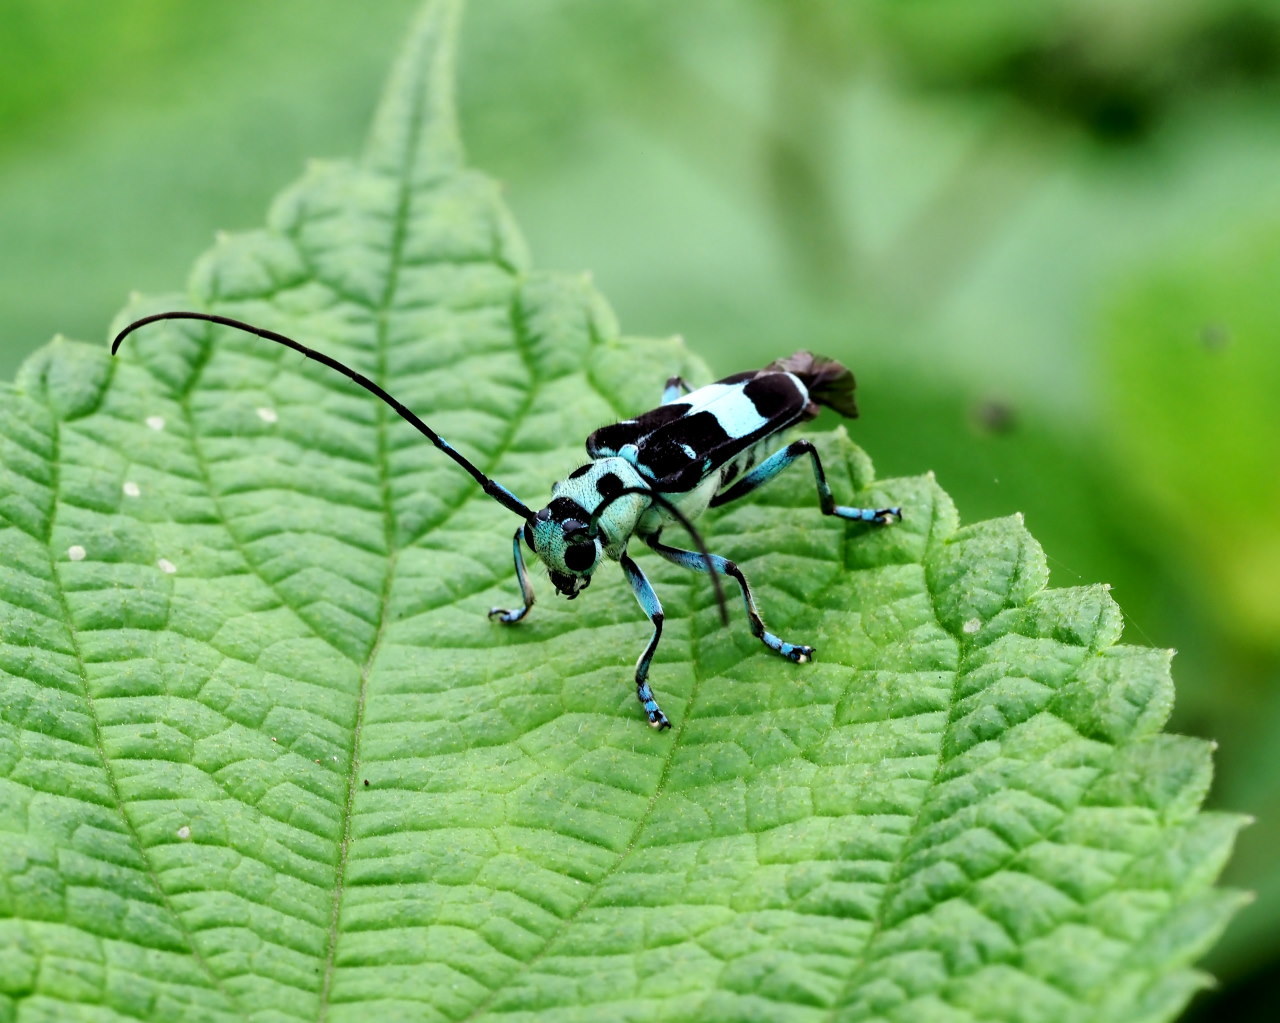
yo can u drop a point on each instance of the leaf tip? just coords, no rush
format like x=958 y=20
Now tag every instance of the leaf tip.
x=415 y=132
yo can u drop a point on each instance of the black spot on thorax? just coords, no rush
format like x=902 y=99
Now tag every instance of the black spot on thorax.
x=609 y=485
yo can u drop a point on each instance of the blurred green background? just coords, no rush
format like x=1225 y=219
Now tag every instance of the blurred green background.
x=1046 y=236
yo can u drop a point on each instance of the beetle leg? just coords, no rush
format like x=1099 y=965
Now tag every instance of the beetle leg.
x=526 y=590
x=675 y=388
x=649 y=603
x=779 y=461
x=693 y=560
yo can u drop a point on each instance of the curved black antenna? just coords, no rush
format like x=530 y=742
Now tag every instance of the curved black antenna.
x=494 y=489
x=689 y=528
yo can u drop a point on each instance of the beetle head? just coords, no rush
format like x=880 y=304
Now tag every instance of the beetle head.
x=585 y=522
x=561 y=536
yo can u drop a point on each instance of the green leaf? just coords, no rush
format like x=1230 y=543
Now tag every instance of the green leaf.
x=264 y=756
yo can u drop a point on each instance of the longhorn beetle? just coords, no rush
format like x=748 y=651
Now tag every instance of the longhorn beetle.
x=698 y=449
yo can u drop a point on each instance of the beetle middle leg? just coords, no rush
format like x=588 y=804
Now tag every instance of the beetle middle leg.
x=675 y=388
x=694 y=561
x=779 y=461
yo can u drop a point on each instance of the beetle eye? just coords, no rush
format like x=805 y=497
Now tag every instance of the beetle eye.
x=580 y=556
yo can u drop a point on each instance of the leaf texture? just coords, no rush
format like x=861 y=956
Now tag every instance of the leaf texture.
x=263 y=756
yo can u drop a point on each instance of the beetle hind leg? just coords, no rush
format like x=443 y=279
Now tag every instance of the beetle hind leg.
x=780 y=460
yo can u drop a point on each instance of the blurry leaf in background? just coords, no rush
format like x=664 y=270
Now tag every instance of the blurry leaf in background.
x=1115 y=70
x=131 y=131
x=1192 y=355
x=1193 y=358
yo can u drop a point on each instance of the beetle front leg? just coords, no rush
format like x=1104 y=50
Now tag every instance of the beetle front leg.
x=649 y=603
x=526 y=590
x=694 y=561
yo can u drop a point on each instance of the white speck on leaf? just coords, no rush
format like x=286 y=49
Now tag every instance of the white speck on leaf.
x=972 y=626
x=267 y=415
x=155 y=422
x=75 y=552
x=184 y=832
x=131 y=489
x=166 y=566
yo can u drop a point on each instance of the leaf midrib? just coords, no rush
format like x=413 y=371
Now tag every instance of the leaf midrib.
x=395 y=259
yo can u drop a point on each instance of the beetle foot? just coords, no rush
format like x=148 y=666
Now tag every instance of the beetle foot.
x=795 y=652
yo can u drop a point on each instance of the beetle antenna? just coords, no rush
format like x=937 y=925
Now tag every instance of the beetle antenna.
x=493 y=488
x=683 y=519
